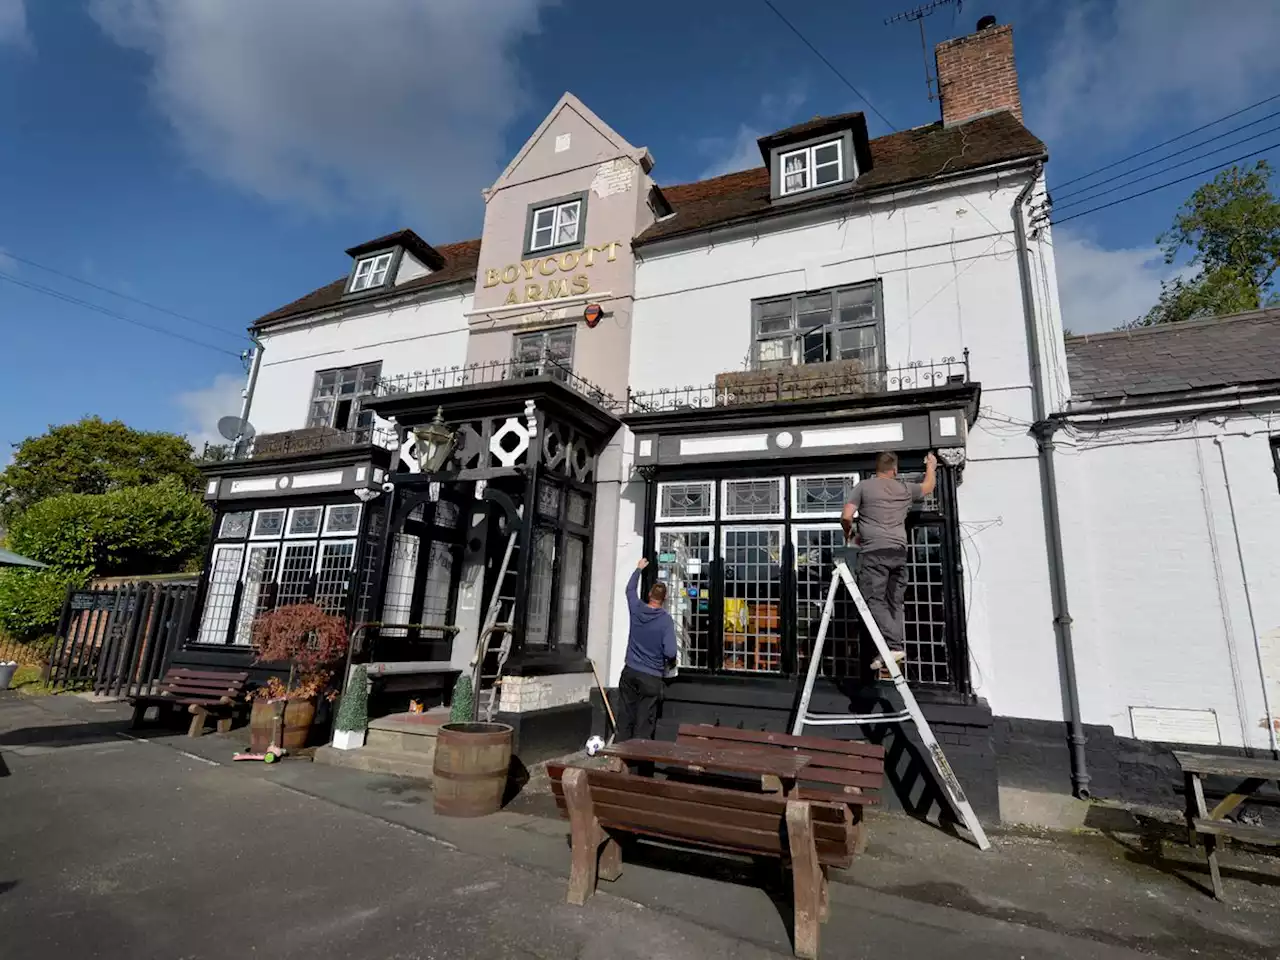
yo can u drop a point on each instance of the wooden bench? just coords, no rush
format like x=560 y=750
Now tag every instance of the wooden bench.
x=1250 y=775
x=202 y=692
x=839 y=771
x=808 y=837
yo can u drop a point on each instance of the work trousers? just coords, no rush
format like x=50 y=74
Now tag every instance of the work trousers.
x=882 y=578
x=638 y=696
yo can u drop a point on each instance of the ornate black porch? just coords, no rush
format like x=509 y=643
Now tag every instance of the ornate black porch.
x=525 y=447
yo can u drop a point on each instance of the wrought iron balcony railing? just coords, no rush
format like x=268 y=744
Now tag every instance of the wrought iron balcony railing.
x=476 y=374
x=804 y=382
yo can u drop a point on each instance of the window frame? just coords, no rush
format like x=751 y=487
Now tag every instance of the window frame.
x=810 y=154
x=392 y=256
x=222 y=525
x=710 y=517
x=284 y=524
x=555 y=204
x=798 y=515
x=328 y=511
x=834 y=325
x=356 y=398
x=288 y=524
x=752 y=518
x=539 y=367
x=849 y=170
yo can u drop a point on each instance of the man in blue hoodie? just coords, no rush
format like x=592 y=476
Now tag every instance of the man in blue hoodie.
x=651 y=645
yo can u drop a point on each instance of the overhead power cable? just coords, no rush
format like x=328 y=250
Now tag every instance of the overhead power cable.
x=88 y=305
x=1177 y=153
x=818 y=53
x=7 y=254
x=1157 y=173
x=1165 y=143
x=1170 y=183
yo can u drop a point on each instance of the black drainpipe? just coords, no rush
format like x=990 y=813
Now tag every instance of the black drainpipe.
x=1044 y=429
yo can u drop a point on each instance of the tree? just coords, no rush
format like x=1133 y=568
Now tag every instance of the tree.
x=160 y=528
x=1232 y=225
x=90 y=457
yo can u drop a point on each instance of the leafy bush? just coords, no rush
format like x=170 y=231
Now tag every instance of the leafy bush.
x=92 y=456
x=31 y=600
x=158 y=528
x=311 y=641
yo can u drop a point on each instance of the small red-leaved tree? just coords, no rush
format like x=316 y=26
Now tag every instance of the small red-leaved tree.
x=311 y=641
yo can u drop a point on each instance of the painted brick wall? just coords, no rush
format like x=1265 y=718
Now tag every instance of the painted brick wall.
x=522 y=694
x=977 y=74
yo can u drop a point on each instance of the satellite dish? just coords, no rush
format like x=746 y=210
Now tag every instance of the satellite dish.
x=236 y=428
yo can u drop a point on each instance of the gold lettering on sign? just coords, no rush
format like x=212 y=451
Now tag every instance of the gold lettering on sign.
x=578 y=285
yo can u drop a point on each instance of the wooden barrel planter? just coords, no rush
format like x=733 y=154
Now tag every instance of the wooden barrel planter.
x=471 y=764
x=298 y=715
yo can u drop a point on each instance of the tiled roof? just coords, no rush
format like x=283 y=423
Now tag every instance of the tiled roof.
x=897 y=159
x=460 y=261
x=1239 y=350
x=406 y=238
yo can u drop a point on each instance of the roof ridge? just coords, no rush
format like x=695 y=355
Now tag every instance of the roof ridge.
x=1159 y=329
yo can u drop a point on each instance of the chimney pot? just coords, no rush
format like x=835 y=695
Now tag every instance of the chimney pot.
x=987 y=22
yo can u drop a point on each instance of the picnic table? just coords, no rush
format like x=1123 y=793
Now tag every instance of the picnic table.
x=1249 y=774
x=778 y=771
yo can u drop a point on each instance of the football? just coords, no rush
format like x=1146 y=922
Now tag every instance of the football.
x=594 y=746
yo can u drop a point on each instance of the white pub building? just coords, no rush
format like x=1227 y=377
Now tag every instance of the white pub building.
x=699 y=374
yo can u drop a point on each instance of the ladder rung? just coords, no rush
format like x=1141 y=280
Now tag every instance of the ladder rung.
x=838 y=719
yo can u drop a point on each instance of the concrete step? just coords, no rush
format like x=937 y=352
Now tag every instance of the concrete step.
x=410 y=733
x=371 y=760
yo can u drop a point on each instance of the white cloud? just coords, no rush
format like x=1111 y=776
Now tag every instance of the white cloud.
x=202 y=408
x=324 y=103
x=1102 y=289
x=740 y=151
x=13 y=23
x=1118 y=68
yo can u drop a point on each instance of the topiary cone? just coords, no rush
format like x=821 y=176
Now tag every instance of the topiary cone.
x=353 y=711
x=464 y=701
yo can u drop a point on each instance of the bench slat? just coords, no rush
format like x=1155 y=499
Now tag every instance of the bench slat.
x=208 y=674
x=697 y=793
x=844 y=778
x=201 y=682
x=1263 y=836
x=693 y=811
x=842 y=795
x=835 y=761
x=723 y=835
x=807 y=744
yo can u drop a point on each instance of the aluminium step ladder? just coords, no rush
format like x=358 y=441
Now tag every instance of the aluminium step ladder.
x=911 y=710
x=503 y=597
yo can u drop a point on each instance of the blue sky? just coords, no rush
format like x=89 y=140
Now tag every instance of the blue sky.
x=216 y=158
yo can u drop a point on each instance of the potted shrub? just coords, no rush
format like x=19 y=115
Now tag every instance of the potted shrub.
x=313 y=643
x=353 y=710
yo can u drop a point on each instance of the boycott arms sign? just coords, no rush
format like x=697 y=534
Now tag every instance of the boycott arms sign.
x=536 y=280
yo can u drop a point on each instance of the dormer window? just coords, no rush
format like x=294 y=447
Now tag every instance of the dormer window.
x=371 y=272
x=812 y=167
x=556 y=224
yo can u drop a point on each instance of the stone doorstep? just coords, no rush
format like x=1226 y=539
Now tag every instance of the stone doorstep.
x=396 y=763
x=410 y=743
x=414 y=724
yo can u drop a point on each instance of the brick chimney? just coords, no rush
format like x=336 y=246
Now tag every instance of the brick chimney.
x=977 y=75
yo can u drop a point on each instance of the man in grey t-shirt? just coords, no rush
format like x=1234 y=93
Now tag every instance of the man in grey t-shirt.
x=880 y=505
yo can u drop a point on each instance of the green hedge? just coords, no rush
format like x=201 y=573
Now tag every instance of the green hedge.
x=160 y=528
x=31 y=600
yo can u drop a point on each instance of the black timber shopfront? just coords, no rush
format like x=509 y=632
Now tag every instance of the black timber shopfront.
x=742 y=512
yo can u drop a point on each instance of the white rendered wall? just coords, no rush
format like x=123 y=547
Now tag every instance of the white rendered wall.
x=1157 y=586
x=950 y=279
x=416 y=336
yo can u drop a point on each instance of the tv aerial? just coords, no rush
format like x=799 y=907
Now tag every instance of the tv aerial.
x=918 y=15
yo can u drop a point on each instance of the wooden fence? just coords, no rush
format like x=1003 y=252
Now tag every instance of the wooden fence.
x=118 y=641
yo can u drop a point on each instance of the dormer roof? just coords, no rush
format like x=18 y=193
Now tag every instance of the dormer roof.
x=405 y=239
